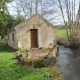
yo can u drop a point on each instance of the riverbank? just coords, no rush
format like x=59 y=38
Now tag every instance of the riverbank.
x=65 y=42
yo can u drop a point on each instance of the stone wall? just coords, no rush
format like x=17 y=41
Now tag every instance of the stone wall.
x=46 y=33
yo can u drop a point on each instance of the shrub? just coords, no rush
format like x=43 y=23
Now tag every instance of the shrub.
x=22 y=51
x=48 y=74
x=49 y=61
x=38 y=63
x=63 y=41
x=74 y=40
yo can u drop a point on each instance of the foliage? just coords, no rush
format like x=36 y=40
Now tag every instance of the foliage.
x=2 y=25
x=6 y=23
x=38 y=63
x=19 y=18
x=6 y=20
x=22 y=50
x=3 y=6
x=74 y=40
x=22 y=54
x=49 y=74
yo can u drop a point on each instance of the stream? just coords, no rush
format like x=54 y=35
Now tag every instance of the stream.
x=68 y=64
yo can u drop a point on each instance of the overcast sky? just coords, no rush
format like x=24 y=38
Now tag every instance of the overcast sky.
x=55 y=19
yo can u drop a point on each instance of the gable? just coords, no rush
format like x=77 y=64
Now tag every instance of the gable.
x=35 y=18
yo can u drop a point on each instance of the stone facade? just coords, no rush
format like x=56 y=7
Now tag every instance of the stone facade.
x=46 y=33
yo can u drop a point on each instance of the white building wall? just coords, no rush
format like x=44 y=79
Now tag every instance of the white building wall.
x=12 y=43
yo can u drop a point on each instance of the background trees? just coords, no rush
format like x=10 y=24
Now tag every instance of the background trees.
x=31 y=7
x=55 y=11
x=7 y=21
x=71 y=21
x=4 y=13
x=24 y=9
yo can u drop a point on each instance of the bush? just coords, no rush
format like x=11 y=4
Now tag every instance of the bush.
x=49 y=61
x=74 y=40
x=63 y=41
x=38 y=63
x=48 y=74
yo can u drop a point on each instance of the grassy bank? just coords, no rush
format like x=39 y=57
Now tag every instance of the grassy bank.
x=10 y=70
x=62 y=33
x=62 y=37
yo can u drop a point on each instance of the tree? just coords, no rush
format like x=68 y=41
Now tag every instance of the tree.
x=4 y=16
x=24 y=6
x=2 y=26
x=30 y=7
x=19 y=18
x=70 y=22
x=6 y=23
x=3 y=6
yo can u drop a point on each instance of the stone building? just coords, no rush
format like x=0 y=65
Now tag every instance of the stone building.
x=35 y=32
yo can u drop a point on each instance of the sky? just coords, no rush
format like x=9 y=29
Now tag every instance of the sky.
x=55 y=18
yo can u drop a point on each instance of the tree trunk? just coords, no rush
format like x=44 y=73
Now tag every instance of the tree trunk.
x=31 y=9
x=36 y=6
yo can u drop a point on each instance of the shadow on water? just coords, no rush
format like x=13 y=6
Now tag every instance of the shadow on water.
x=68 y=65
x=5 y=48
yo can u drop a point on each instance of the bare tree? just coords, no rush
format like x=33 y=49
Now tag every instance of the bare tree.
x=46 y=8
x=71 y=21
x=36 y=6
x=71 y=18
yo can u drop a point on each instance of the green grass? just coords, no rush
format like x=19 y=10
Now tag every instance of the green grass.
x=9 y=70
x=62 y=33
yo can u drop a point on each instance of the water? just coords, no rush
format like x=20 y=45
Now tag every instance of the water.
x=68 y=65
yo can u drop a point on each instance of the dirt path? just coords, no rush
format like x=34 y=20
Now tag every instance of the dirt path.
x=68 y=65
